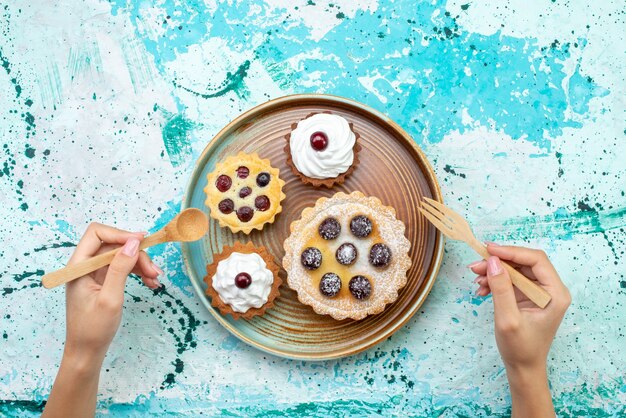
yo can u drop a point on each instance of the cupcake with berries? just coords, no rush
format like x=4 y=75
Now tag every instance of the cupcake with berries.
x=347 y=256
x=244 y=193
x=322 y=149
x=243 y=281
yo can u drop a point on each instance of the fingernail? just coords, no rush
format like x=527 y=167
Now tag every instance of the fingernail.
x=493 y=244
x=144 y=233
x=156 y=283
x=474 y=264
x=477 y=279
x=130 y=248
x=157 y=269
x=494 y=267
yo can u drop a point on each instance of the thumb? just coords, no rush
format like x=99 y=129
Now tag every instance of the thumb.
x=504 y=302
x=119 y=269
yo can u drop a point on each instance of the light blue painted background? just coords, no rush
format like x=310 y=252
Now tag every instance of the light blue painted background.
x=519 y=105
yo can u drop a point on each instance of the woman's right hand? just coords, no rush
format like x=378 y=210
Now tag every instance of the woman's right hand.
x=524 y=332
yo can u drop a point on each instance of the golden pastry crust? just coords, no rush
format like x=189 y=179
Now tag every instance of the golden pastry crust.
x=385 y=282
x=247 y=248
x=330 y=182
x=274 y=192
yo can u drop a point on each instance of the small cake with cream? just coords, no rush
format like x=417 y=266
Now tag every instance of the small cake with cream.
x=322 y=149
x=243 y=281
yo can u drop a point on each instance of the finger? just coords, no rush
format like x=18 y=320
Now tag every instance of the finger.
x=144 y=266
x=504 y=303
x=482 y=291
x=537 y=260
x=483 y=286
x=481 y=280
x=150 y=283
x=148 y=271
x=95 y=235
x=478 y=267
x=112 y=293
x=528 y=272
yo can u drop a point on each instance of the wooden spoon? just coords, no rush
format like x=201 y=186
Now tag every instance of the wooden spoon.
x=189 y=225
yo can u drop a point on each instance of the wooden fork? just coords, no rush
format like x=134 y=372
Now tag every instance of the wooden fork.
x=454 y=226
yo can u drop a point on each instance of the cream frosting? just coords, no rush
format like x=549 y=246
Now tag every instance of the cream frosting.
x=255 y=295
x=332 y=161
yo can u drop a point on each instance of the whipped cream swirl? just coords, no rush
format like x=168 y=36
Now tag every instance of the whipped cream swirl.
x=332 y=161
x=253 y=296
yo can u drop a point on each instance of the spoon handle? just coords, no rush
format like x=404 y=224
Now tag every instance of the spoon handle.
x=74 y=271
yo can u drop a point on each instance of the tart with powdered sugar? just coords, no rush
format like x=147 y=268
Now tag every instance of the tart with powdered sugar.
x=322 y=149
x=243 y=280
x=347 y=256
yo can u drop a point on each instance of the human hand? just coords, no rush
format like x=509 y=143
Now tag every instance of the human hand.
x=94 y=312
x=94 y=302
x=524 y=332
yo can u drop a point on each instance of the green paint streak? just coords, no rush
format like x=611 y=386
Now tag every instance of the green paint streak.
x=176 y=138
x=30 y=151
x=559 y=225
x=188 y=325
x=448 y=169
x=14 y=406
x=56 y=245
x=5 y=63
x=30 y=120
x=340 y=15
x=338 y=408
x=282 y=73
x=9 y=290
x=18 y=88
x=233 y=82
x=583 y=401
x=22 y=276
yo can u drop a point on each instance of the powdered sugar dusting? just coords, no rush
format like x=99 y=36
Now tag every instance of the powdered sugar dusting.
x=346 y=254
x=385 y=282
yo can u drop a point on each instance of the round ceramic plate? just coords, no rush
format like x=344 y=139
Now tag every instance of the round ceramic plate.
x=392 y=168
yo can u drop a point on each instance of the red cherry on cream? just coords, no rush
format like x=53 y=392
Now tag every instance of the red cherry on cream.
x=243 y=280
x=319 y=141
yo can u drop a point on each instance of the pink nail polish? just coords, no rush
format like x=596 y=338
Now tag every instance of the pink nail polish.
x=493 y=244
x=130 y=248
x=157 y=269
x=494 y=267
x=474 y=264
x=477 y=279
